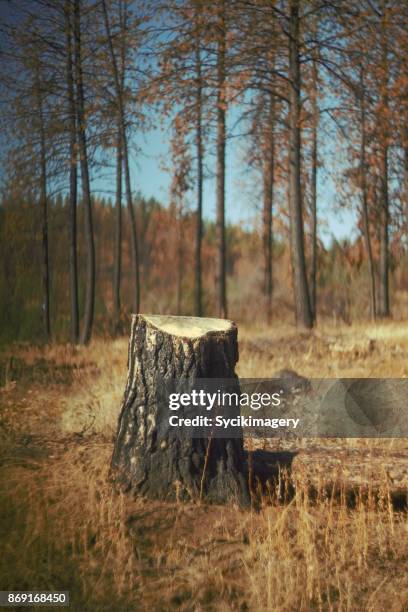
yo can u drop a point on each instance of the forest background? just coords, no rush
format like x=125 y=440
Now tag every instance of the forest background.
x=305 y=102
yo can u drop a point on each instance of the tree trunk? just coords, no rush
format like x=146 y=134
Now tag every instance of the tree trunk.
x=383 y=298
x=301 y=290
x=405 y=205
x=125 y=150
x=44 y=211
x=199 y=227
x=86 y=189
x=180 y=261
x=384 y=302
x=313 y=207
x=73 y=182
x=364 y=194
x=268 y=183
x=221 y=135
x=117 y=265
x=150 y=457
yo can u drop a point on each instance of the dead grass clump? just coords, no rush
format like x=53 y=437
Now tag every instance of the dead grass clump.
x=320 y=554
x=64 y=527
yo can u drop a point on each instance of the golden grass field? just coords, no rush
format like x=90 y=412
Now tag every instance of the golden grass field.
x=63 y=527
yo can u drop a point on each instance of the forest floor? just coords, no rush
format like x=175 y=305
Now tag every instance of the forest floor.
x=63 y=527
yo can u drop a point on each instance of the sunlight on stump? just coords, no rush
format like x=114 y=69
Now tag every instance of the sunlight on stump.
x=160 y=462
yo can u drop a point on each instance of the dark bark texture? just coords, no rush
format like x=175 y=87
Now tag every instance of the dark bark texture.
x=160 y=462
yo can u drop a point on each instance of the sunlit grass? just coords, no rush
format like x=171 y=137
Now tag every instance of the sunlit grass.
x=63 y=526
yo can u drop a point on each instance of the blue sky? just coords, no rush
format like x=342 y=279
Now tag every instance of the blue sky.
x=152 y=181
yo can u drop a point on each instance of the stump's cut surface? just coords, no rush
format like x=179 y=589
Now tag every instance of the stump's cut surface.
x=160 y=462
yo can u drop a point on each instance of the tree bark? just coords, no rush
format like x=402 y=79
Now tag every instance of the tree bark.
x=149 y=457
x=220 y=172
x=301 y=290
x=73 y=181
x=86 y=188
x=125 y=151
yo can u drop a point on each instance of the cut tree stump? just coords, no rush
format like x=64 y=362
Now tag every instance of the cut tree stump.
x=155 y=460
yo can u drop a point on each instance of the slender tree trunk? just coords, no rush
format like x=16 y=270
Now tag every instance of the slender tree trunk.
x=406 y=170
x=302 y=302
x=384 y=300
x=268 y=184
x=220 y=171
x=117 y=267
x=384 y=303
x=364 y=194
x=44 y=212
x=180 y=262
x=86 y=189
x=125 y=150
x=73 y=182
x=406 y=182
x=199 y=149
x=313 y=206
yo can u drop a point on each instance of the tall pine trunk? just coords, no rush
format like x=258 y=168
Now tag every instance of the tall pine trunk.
x=220 y=171
x=313 y=195
x=302 y=302
x=268 y=184
x=73 y=181
x=85 y=181
x=117 y=256
x=180 y=261
x=44 y=213
x=125 y=151
x=406 y=180
x=384 y=300
x=199 y=150
x=364 y=198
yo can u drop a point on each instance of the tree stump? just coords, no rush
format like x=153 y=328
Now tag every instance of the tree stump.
x=150 y=457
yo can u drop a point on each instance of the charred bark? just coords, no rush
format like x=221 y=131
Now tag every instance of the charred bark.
x=160 y=462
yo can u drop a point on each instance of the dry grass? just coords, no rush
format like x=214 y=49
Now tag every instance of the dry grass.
x=62 y=526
